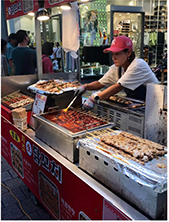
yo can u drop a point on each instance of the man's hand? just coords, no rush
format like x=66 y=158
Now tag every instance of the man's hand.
x=88 y=104
x=91 y=101
x=79 y=91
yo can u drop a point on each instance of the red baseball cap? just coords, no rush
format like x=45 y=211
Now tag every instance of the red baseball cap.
x=119 y=44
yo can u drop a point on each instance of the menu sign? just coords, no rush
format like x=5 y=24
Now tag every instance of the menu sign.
x=38 y=107
x=16 y=8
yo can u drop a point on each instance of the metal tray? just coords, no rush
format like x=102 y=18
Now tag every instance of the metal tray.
x=142 y=186
x=34 y=89
x=59 y=138
x=27 y=106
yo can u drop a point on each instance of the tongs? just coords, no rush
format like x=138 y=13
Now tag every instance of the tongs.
x=65 y=110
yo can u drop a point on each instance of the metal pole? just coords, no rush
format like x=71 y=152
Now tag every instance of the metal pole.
x=4 y=31
x=62 y=59
x=44 y=31
x=78 y=66
x=38 y=49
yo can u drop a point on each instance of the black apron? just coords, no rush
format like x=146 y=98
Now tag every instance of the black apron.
x=138 y=93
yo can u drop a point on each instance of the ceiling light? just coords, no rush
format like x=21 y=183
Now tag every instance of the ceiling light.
x=66 y=6
x=84 y=0
x=42 y=15
x=131 y=3
x=31 y=13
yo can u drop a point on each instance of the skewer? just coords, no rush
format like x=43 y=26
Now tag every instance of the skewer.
x=114 y=148
x=111 y=130
x=99 y=147
x=92 y=134
x=109 y=152
x=121 y=152
x=95 y=133
x=106 y=133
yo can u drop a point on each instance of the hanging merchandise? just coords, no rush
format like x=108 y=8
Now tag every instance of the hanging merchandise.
x=70 y=30
x=153 y=39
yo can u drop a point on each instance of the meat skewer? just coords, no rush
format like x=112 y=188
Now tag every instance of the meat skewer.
x=109 y=150
x=148 y=142
x=133 y=147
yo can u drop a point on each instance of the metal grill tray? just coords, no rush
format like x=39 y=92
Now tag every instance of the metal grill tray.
x=28 y=106
x=59 y=138
x=134 y=102
x=148 y=175
x=127 y=107
x=34 y=89
x=143 y=186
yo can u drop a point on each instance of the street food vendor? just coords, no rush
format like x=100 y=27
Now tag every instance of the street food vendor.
x=128 y=73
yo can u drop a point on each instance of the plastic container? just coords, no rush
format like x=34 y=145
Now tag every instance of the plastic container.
x=21 y=123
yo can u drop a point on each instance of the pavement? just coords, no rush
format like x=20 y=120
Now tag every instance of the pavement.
x=28 y=207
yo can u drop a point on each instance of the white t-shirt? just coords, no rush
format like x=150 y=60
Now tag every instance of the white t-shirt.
x=111 y=76
x=58 y=52
x=138 y=73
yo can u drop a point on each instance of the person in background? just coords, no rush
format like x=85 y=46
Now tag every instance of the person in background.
x=57 y=54
x=23 y=57
x=105 y=39
x=47 y=50
x=4 y=63
x=12 y=43
x=52 y=57
x=135 y=74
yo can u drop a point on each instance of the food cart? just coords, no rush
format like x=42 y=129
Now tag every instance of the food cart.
x=74 y=180
x=92 y=186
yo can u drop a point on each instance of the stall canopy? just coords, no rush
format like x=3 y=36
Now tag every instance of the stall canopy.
x=16 y=8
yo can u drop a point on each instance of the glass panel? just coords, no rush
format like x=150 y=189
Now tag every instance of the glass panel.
x=93 y=27
x=130 y=25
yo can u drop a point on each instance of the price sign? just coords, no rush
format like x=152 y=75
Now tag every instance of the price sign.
x=38 y=107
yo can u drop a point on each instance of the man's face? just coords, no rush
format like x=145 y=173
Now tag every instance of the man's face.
x=28 y=40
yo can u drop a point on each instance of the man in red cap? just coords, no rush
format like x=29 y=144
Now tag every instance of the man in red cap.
x=128 y=73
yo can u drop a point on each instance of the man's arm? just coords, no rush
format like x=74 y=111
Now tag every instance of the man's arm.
x=93 y=85
x=110 y=91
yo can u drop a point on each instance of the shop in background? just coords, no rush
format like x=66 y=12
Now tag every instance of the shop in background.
x=97 y=29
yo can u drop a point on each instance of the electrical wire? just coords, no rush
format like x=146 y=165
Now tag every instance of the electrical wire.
x=17 y=201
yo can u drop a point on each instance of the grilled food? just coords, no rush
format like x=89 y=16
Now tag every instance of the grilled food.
x=55 y=86
x=161 y=165
x=74 y=121
x=138 y=149
x=119 y=99
x=16 y=100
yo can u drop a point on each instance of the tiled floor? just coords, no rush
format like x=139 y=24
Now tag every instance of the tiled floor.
x=10 y=208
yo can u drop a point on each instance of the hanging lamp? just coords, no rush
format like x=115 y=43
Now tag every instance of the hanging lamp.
x=66 y=6
x=42 y=14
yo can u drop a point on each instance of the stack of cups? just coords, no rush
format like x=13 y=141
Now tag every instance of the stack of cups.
x=20 y=118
